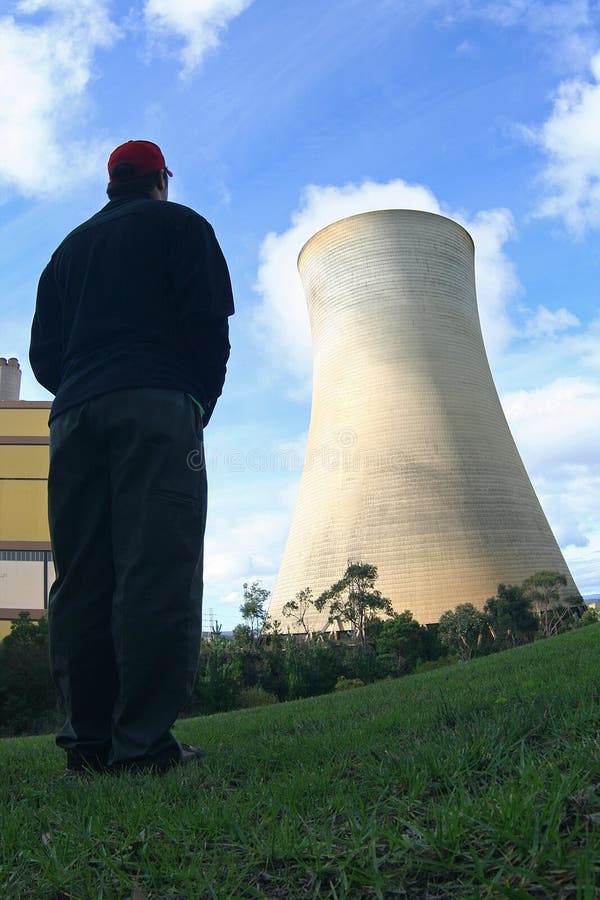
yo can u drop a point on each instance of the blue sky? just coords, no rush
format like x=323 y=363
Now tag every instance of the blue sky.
x=280 y=117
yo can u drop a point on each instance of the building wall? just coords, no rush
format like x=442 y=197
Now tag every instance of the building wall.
x=22 y=580
x=410 y=464
x=26 y=570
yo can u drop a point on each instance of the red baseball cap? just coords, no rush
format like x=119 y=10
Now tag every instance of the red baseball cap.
x=144 y=156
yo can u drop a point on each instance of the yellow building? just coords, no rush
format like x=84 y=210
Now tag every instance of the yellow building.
x=26 y=569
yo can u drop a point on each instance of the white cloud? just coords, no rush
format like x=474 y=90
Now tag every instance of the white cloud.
x=495 y=275
x=466 y=48
x=534 y=361
x=585 y=347
x=248 y=526
x=557 y=430
x=545 y=323
x=45 y=70
x=570 y=138
x=561 y=501
x=556 y=426
x=281 y=318
x=584 y=563
x=539 y=15
x=247 y=546
x=566 y=27
x=198 y=23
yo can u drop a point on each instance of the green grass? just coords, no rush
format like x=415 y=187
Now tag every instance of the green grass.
x=482 y=780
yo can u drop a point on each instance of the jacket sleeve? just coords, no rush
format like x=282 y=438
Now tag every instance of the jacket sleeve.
x=206 y=302
x=45 y=349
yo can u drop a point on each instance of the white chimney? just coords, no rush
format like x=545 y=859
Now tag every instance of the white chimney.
x=10 y=378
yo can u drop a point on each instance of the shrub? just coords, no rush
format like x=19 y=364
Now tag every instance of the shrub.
x=217 y=687
x=298 y=669
x=362 y=663
x=256 y=696
x=311 y=668
x=28 y=700
x=590 y=617
x=327 y=665
x=399 y=641
x=463 y=631
x=272 y=670
x=389 y=665
x=346 y=684
x=432 y=664
x=510 y=617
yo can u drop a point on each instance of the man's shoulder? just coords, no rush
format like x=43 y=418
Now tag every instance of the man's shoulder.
x=179 y=211
x=177 y=215
x=107 y=213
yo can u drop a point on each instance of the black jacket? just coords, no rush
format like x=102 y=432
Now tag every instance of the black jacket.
x=137 y=296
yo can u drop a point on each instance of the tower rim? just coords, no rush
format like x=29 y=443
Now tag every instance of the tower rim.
x=371 y=212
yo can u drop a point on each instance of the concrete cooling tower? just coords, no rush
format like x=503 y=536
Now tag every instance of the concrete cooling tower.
x=410 y=464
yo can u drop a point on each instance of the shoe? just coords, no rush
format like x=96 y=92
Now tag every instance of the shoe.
x=189 y=753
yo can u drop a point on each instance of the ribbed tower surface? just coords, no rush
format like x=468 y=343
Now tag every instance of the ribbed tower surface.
x=410 y=464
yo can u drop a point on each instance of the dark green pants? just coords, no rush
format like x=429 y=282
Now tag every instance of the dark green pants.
x=127 y=510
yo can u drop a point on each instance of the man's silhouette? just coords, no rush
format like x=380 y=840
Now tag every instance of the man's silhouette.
x=130 y=333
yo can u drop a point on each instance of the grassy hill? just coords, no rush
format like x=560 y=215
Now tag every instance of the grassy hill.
x=482 y=780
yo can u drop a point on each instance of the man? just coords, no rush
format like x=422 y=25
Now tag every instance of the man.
x=131 y=334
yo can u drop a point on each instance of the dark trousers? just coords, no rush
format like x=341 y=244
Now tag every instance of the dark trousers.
x=127 y=509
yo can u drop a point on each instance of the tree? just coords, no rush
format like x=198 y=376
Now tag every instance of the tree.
x=272 y=627
x=216 y=632
x=590 y=616
x=463 y=630
x=354 y=598
x=511 y=619
x=26 y=632
x=297 y=609
x=311 y=667
x=27 y=694
x=431 y=646
x=398 y=641
x=218 y=683
x=543 y=588
x=242 y=637
x=253 y=608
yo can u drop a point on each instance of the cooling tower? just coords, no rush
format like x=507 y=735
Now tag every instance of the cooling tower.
x=10 y=378
x=410 y=464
